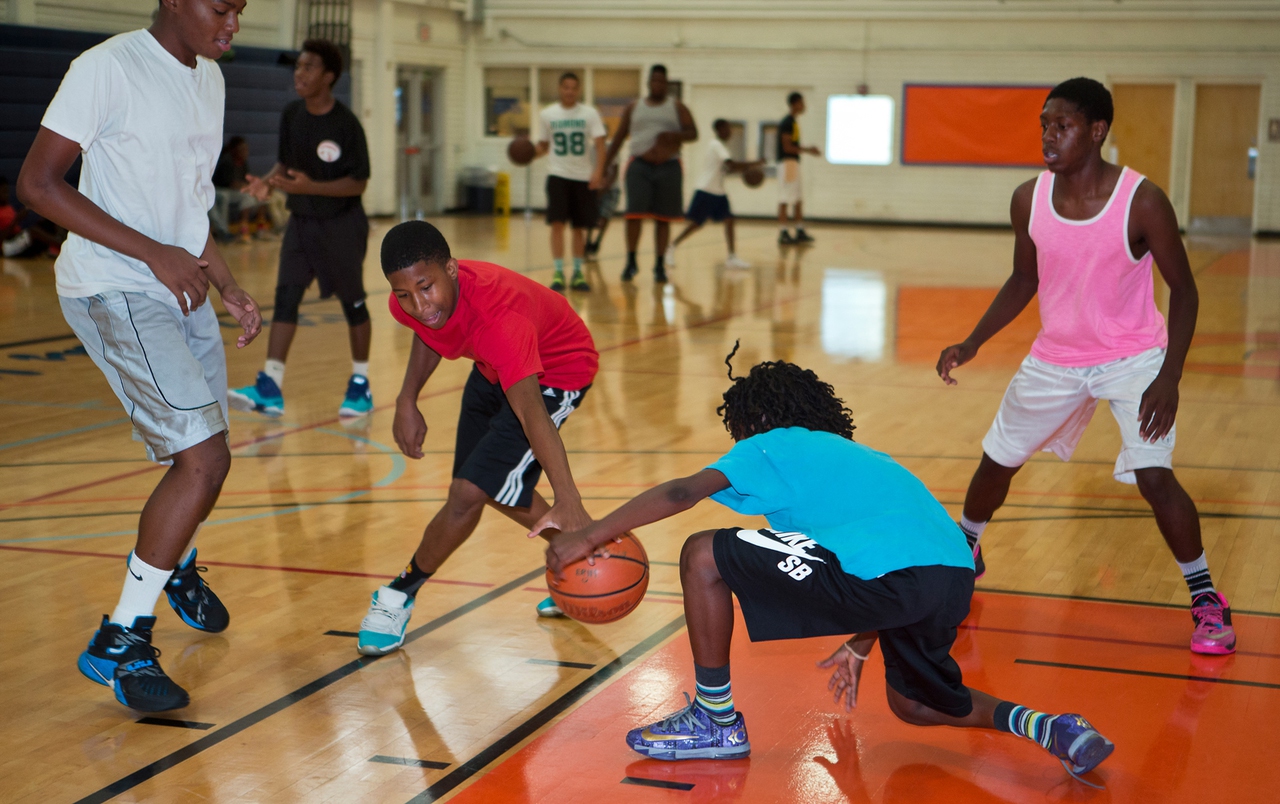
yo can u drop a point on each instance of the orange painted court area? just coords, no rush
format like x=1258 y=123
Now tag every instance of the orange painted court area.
x=1186 y=727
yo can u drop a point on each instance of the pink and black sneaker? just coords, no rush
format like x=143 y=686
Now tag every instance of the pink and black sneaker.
x=1212 y=616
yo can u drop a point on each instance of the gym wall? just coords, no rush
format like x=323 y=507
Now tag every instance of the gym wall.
x=739 y=60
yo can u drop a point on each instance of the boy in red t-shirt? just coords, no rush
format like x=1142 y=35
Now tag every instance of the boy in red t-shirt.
x=534 y=361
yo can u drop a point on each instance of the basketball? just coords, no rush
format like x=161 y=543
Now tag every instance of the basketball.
x=753 y=176
x=606 y=591
x=521 y=151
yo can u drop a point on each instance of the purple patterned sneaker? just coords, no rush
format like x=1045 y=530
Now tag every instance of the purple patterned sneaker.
x=691 y=734
x=1212 y=615
x=1078 y=745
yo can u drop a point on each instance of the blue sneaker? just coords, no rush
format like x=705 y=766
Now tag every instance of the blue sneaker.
x=1077 y=745
x=691 y=734
x=124 y=660
x=548 y=608
x=382 y=629
x=264 y=396
x=194 y=601
x=359 y=399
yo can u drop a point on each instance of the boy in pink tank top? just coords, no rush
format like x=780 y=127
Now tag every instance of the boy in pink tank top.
x=1086 y=234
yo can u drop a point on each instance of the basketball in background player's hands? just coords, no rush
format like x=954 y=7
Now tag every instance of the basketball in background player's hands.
x=521 y=151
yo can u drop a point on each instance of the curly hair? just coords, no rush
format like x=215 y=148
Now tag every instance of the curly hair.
x=781 y=394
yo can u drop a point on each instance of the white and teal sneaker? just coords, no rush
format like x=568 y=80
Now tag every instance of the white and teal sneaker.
x=359 y=399
x=264 y=396
x=548 y=608
x=382 y=630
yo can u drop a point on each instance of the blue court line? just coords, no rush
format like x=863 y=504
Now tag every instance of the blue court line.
x=37 y=439
x=397 y=471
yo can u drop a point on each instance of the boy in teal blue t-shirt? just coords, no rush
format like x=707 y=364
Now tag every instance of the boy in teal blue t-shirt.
x=856 y=545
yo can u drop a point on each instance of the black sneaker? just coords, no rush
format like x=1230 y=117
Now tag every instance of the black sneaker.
x=590 y=249
x=630 y=272
x=579 y=282
x=979 y=566
x=124 y=659
x=194 y=601
x=659 y=274
x=802 y=237
x=557 y=281
x=785 y=238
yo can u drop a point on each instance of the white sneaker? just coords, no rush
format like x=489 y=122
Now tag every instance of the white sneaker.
x=669 y=259
x=382 y=630
x=735 y=261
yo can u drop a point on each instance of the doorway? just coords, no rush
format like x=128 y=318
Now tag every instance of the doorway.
x=1226 y=136
x=418 y=169
x=1142 y=132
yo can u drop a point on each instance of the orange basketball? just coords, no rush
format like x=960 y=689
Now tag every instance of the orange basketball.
x=606 y=591
x=753 y=177
x=521 y=151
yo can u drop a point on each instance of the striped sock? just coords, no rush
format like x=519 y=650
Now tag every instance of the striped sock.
x=1196 y=574
x=972 y=530
x=1023 y=722
x=714 y=695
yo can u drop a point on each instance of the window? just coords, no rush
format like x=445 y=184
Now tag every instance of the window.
x=737 y=143
x=769 y=143
x=506 y=101
x=614 y=90
x=860 y=129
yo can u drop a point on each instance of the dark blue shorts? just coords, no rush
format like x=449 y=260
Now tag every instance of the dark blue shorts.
x=705 y=205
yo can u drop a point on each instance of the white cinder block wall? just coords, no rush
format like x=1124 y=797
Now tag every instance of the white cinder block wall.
x=755 y=49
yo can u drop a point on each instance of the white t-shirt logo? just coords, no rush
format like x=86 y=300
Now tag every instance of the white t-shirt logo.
x=328 y=151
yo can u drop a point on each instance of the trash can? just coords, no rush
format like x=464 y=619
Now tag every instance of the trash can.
x=476 y=189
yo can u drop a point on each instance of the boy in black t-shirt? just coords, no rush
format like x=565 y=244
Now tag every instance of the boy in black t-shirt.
x=788 y=156
x=323 y=165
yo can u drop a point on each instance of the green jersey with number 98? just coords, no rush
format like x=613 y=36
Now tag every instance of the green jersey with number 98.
x=571 y=135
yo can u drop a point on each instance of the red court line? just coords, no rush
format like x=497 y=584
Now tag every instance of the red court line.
x=308 y=570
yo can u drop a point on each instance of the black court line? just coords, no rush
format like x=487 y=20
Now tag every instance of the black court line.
x=636 y=780
x=410 y=762
x=280 y=704
x=1151 y=674
x=180 y=724
x=556 y=663
x=1119 y=600
x=34 y=341
x=513 y=738
x=342 y=633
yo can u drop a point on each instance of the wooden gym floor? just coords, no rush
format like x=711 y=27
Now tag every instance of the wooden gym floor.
x=1082 y=608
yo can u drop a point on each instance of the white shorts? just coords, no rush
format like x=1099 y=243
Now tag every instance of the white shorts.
x=168 y=370
x=790 y=190
x=1047 y=408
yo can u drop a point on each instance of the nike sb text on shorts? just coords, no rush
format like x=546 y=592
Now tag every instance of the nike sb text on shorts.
x=492 y=450
x=790 y=587
x=1047 y=407
x=168 y=370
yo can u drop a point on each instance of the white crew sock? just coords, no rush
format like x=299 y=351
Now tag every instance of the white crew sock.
x=143 y=584
x=972 y=528
x=275 y=370
x=360 y=368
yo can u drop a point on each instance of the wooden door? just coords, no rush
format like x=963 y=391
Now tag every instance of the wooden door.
x=1226 y=127
x=1142 y=132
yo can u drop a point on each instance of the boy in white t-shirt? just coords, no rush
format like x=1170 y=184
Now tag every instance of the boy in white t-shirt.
x=145 y=109
x=709 y=200
x=573 y=134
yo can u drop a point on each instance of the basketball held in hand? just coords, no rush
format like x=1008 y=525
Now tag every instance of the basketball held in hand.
x=753 y=176
x=607 y=590
x=521 y=151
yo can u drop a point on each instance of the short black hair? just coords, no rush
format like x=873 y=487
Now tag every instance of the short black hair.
x=780 y=394
x=793 y=98
x=569 y=74
x=719 y=121
x=412 y=242
x=658 y=68
x=1090 y=98
x=329 y=53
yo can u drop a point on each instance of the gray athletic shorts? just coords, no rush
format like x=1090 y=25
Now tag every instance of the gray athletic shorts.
x=168 y=370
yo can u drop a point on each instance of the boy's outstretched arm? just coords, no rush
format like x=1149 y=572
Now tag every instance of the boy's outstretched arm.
x=1018 y=290
x=659 y=502
x=544 y=439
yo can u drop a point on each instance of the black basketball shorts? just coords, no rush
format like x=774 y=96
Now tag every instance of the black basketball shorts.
x=572 y=202
x=328 y=249
x=492 y=450
x=792 y=588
